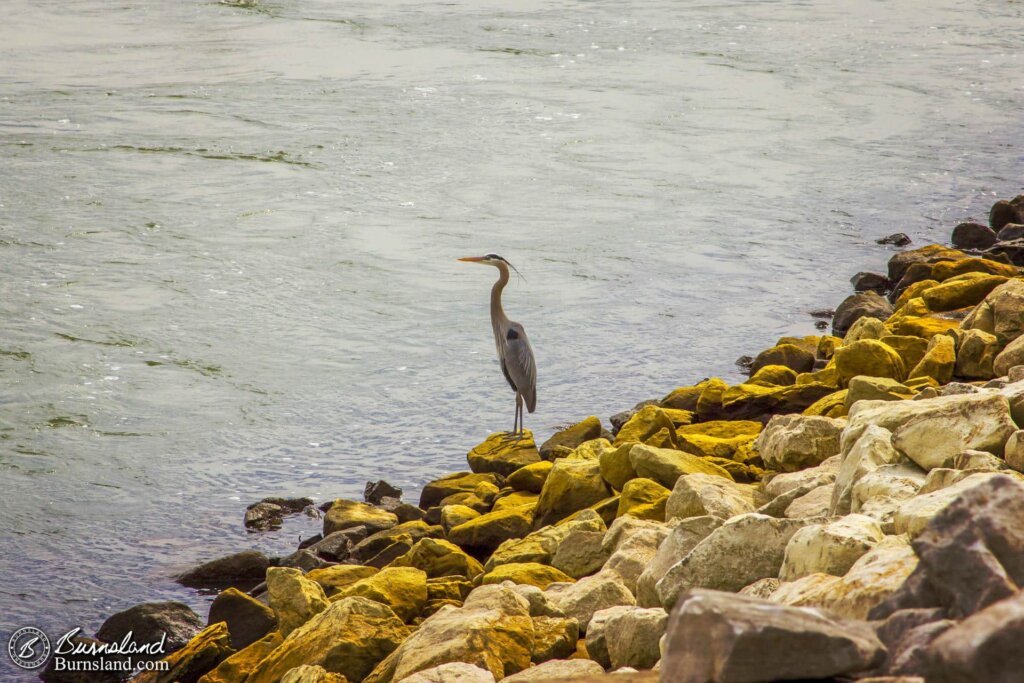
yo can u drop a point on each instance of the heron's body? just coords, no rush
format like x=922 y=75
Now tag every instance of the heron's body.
x=511 y=344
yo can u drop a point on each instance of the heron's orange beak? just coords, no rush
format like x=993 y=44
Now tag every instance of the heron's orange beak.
x=472 y=259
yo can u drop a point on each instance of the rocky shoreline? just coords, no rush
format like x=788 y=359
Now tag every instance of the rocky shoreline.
x=854 y=510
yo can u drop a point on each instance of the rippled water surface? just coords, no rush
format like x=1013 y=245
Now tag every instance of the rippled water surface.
x=228 y=235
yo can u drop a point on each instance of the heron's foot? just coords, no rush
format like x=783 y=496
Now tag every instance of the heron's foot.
x=512 y=436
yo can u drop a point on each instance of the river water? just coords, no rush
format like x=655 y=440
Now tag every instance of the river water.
x=229 y=231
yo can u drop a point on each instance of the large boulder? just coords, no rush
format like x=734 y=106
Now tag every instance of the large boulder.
x=869 y=357
x=572 y=485
x=830 y=548
x=1001 y=313
x=492 y=630
x=646 y=425
x=855 y=306
x=718 y=438
x=1012 y=355
x=616 y=468
x=581 y=554
x=666 y=465
x=795 y=442
x=571 y=437
x=529 y=573
x=238 y=569
x=633 y=553
x=590 y=594
x=554 y=637
x=203 y=653
x=294 y=598
x=485 y=533
x=696 y=495
x=248 y=619
x=503 y=455
x=633 y=636
x=339 y=576
x=349 y=637
x=984 y=648
x=235 y=668
x=683 y=538
x=915 y=513
x=403 y=589
x=597 y=642
x=716 y=636
x=971 y=551
x=175 y=622
x=881 y=492
x=865 y=388
x=344 y=514
x=744 y=549
x=439 y=558
x=872 y=579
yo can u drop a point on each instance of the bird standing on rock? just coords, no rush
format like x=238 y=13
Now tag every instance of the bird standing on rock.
x=514 y=352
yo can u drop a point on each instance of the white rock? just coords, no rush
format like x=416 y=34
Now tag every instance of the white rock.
x=814 y=503
x=825 y=473
x=597 y=644
x=624 y=527
x=761 y=588
x=881 y=492
x=914 y=514
x=453 y=672
x=633 y=637
x=744 y=549
x=1014 y=452
x=794 y=442
x=871 y=579
x=696 y=495
x=679 y=543
x=556 y=669
x=830 y=548
x=590 y=594
x=634 y=554
x=869 y=451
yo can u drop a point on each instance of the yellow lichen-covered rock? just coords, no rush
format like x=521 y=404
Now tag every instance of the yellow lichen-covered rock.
x=403 y=589
x=911 y=349
x=961 y=291
x=924 y=327
x=945 y=270
x=531 y=477
x=868 y=357
x=454 y=515
x=717 y=438
x=939 y=360
x=773 y=376
x=312 y=674
x=238 y=666
x=344 y=514
x=590 y=450
x=339 y=576
x=294 y=598
x=554 y=638
x=485 y=533
x=503 y=455
x=492 y=630
x=789 y=355
x=864 y=327
x=454 y=588
x=407 y=532
x=975 y=355
x=809 y=343
x=916 y=384
x=913 y=308
x=1001 y=313
x=439 y=558
x=743 y=472
x=540 y=546
x=515 y=499
x=467 y=499
x=616 y=469
x=459 y=482
x=864 y=388
x=915 y=291
x=827 y=345
x=680 y=417
x=665 y=465
x=709 y=405
x=746 y=401
x=684 y=398
x=929 y=254
x=349 y=638
x=833 y=405
x=572 y=485
x=571 y=437
x=645 y=425
x=530 y=573
x=644 y=499
x=202 y=654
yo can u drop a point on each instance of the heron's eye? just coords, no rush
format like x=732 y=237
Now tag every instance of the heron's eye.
x=493 y=257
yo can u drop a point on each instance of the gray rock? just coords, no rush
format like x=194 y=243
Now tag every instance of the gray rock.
x=597 y=642
x=684 y=537
x=856 y=306
x=795 y=442
x=581 y=554
x=633 y=637
x=984 y=648
x=715 y=636
x=149 y=621
x=246 y=568
x=589 y=595
x=453 y=672
x=973 y=236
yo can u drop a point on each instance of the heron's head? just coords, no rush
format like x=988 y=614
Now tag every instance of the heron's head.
x=491 y=260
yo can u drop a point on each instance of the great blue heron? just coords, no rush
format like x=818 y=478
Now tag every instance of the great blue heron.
x=513 y=347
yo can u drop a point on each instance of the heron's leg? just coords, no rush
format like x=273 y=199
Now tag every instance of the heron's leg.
x=519 y=412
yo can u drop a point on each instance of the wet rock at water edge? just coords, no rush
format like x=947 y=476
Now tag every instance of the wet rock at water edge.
x=897 y=239
x=1005 y=211
x=246 y=568
x=871 y=282
x=248 y=619
x=857 y=306
x=973 y=236
x=376 y=491
x=621 y=418
x=150 y=622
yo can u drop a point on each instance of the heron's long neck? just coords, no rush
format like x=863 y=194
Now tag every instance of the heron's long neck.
x=497 y=312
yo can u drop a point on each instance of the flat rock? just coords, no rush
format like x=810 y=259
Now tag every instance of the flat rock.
x=503 y=455
x=716 y=636
x=666 y=465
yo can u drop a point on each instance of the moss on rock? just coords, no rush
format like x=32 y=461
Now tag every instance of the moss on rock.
x=868 y=357
x=438 y=558
x=530 y=573
x=502 y=454
x=644 y=499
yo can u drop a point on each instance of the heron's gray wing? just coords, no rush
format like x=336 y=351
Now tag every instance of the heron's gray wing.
x=519 y=366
